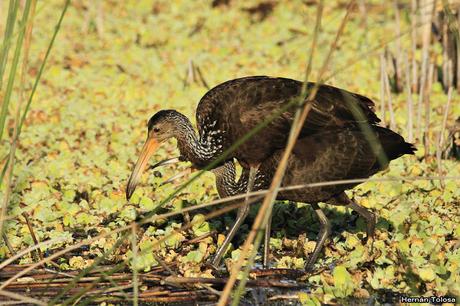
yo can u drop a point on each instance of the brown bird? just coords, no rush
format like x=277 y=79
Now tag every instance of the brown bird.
x=231 y=110
x=327 y=156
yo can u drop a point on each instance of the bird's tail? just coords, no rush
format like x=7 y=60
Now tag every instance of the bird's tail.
x=394 y=144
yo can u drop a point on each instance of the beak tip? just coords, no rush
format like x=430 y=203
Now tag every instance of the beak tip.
x=129 y=193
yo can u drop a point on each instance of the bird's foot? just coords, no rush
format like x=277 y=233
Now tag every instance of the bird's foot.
x=217 y=270
x=309 y=268
x=210 y=265
x=267 y=264
x=307 y=272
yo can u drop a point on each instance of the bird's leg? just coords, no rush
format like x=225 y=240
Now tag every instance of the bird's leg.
x=367 y=215
x=268 y=229
x=324 y=232
x=251 y=181
x=241 y=215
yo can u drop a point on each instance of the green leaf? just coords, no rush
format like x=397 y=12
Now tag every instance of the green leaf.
x=201 y=227
x=343 y=283
x=85 y=218
x=276 y=243
x=68 y=220
x=308 y=300
x=175 y=238
x=404 y=246
x=146 y=203
x=427 y=274
x=194 y=256
x=68 y=195
x=45 y=214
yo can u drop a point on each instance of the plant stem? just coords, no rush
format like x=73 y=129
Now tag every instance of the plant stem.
x=12 y=12
x=9 y=90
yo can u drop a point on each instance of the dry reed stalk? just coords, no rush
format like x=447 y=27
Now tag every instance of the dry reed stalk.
x=201 y=76
x=410 y=103
x=8 y=244
x=440 y=142
x=100 y=18
x=2 y=9
x=426 y=135
x=445 y=55
x=58 y=254
x=398 y=73
x=22 y=298
x=32 y=234
x=457 y=42
x=423 y=73
x=413 y=20
x=27 y=250
x=363 y=11
x=189 y=74
x=388 y=94
x=382 y=89
x=427 y=9
x=252 y=283
x=135 y=281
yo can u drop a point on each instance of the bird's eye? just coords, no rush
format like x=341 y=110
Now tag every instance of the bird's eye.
x=156 y=130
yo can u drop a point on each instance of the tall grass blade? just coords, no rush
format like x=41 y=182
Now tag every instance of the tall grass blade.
x=13 y=69
x=37 y=80
x=3 y=114
x=12 y=12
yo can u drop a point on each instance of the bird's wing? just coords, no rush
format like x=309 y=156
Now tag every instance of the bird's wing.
x=346 y=153
x=245 y=102
x=324 y=157
x=333 y=107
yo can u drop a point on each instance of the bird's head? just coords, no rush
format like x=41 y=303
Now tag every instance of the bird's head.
x=161 y=127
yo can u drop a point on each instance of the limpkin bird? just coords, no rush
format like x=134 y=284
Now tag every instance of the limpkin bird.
x=327 y=156
x=232 y=109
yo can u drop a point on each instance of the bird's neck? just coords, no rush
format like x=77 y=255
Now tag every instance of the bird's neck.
x=226 y=183
x=200 y=151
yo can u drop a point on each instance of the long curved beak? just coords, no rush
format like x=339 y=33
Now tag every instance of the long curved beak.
x=147 y=151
